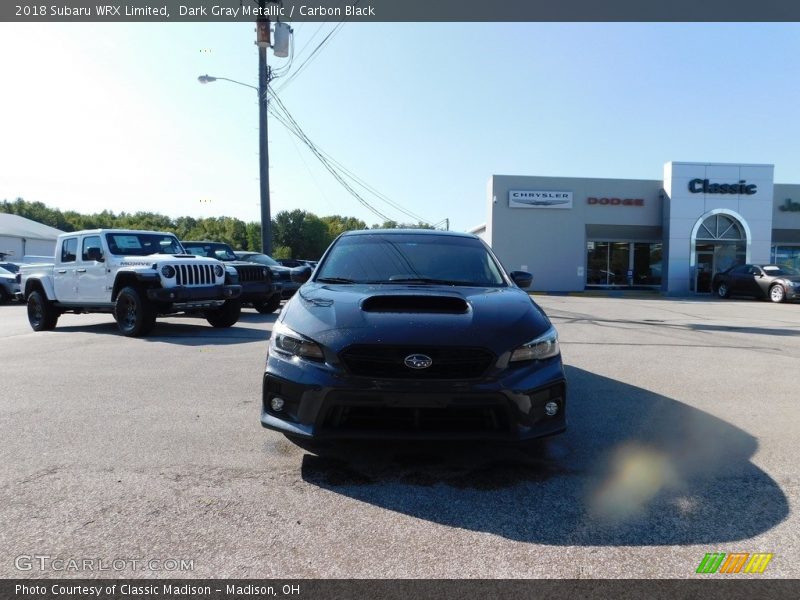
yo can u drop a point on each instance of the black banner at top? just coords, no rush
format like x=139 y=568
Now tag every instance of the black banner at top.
x=366 y=11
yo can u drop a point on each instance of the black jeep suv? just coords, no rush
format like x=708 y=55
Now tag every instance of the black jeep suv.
x=258 y=287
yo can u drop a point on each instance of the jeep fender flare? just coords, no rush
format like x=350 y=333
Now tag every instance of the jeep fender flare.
x=133 y=279
x=43 y=284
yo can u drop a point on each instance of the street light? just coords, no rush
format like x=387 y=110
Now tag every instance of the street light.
x=266 y=218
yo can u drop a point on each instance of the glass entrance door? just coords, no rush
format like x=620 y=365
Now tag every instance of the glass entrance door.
x=704 y=271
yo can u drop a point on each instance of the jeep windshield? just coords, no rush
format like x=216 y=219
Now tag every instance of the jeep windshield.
x=210 y=250
x=142 y=244
x=408 y=258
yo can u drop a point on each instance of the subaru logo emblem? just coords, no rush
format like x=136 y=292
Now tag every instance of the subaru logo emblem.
x=418 y=361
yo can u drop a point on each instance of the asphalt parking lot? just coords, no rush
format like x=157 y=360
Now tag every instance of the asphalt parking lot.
x=683 y=433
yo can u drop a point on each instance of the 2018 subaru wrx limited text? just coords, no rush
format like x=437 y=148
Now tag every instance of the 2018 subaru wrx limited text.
x=413 y=334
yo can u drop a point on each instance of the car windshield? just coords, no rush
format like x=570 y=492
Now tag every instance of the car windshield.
x=410 y=258
x=781 y=271
x=210 y=250
x=142 y=244
x=5 y=272
x=261 y=259
x=10 y=267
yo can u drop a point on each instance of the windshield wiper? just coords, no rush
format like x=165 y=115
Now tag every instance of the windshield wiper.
x=334 y=280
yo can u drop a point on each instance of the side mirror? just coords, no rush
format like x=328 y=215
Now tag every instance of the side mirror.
x=523 y=279
x=95 y=254
x=300 y=274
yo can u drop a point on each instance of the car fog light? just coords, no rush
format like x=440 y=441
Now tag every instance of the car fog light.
x=276 y=404
x=551 y=408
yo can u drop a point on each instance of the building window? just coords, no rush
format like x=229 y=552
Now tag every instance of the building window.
x=788 y=256
x=623 y=264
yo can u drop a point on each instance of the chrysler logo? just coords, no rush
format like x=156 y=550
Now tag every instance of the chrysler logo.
x=418 y=361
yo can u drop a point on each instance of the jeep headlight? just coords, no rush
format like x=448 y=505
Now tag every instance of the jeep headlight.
x=544 y=346
x=168 y=271
x=265 y=273
x=219 y=271
x=286 y=341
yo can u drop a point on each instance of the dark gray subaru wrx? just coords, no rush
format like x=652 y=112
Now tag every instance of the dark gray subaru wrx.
x=412 y=334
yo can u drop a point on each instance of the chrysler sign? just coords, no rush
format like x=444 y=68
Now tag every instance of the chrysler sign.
x=539 y=199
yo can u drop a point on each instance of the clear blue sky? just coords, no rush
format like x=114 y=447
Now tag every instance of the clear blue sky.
x=111 y=116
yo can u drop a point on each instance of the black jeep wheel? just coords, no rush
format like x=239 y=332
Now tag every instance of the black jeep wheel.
x=226 y=315
x=42 y=315
x=4 y=296
x=134 y=314
x=270 y=306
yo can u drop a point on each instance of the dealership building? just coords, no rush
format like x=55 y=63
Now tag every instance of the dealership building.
x=671 y=235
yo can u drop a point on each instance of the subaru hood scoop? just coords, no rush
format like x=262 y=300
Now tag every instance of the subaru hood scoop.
x=411 y=303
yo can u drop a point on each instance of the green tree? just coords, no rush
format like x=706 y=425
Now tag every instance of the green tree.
x=303 y=233
x=253 y=237
x=396 y=225
x=338 y=224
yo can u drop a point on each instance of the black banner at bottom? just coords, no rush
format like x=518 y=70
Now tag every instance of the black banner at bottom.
x=398 y=589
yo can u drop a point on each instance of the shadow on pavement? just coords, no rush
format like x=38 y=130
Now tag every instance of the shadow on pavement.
x=635 y=468
x=249 y=328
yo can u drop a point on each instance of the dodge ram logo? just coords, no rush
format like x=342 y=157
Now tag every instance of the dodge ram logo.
x=418 y=361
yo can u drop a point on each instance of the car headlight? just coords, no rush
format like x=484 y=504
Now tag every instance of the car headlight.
x=219 y=271
x=168 y=271
x=544 y=346
x=286 y=341
x=265 y=272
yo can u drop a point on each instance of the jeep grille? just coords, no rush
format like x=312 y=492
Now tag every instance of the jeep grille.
x=195 y=275
x=248 y=273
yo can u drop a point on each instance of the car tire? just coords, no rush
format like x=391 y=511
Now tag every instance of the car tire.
x=270 y=306
x=226 y=315
x=4 y=296
x=777 y=294
x=723 y=291
x=42 y=315
x=134 y=314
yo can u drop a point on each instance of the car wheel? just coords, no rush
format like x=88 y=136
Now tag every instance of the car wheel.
x=270 y=306
x=134 y=314
x=42 y=315
x=723 y=291
x=226 y=315
x=4 y=296
x=777 y=293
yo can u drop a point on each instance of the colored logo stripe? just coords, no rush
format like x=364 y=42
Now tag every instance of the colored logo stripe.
x=710 y=562
x=734 y=562
x=758 y=563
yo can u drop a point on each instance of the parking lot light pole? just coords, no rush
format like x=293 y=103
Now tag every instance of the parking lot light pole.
x=266 y=218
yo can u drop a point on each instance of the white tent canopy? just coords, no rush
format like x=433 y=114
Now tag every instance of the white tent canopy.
x=21 y=238
x=16 y=226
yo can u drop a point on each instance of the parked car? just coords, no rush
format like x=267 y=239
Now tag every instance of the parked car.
x=778 y=283
x=280 y=273
x=134 y=275
x=9 y=288
x=291 y=262
x=258 y=287
x=413 y=335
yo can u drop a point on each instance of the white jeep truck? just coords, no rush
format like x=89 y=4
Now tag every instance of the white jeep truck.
x=134 y=275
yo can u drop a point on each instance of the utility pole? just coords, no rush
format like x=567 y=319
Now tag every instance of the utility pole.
x=263 y=41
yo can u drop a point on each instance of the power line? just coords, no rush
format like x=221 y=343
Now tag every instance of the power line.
x=292 y=126
x=284 y=116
